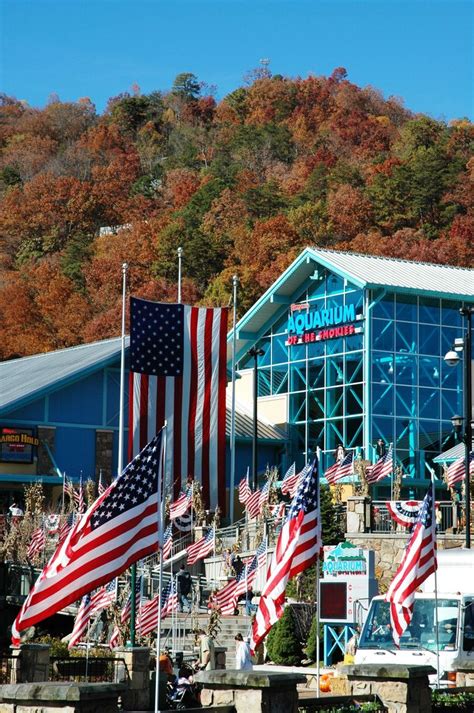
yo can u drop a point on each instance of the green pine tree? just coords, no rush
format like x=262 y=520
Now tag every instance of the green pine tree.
x=283 y=646
x=311 y=643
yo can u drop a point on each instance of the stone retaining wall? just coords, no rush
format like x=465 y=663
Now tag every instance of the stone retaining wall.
x=65 y=697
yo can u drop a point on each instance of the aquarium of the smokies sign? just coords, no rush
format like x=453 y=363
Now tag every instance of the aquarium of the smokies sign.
x=306 y=325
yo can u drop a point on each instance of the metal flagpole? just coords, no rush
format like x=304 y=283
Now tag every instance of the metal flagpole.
x=161 y=501
x=235 y=281
x=318 y=675
x=180 y=261
x=435 y=587
x=122 y=373
x=306 y=408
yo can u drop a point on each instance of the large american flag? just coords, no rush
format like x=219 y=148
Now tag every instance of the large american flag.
x=120 y=528
x=200 y=549
x=382 y=468
x=178 y=374
x=298 y=547
x=457 y=470
x=419 y=561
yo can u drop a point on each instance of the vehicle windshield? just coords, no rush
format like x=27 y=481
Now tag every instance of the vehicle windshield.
x=421 y=633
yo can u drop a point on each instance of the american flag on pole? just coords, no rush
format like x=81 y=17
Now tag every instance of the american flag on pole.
x=182 y=504
x=253 y=504
x=120 y=528
x=251 y=568
x=148 y=619
x=298 y=547
x=65 y=525
x=91 y=604
x=167 y=542
x=125 y=613
x=457 y=470
x=100 y=486
x=37 y=543
x=178 y=373
x=244 y=489
x=264 y=495
x=292 y=483
x=200 y=549
x=419 y=561
x=341 y=469
x=226 y=598
x=289 y=480
x=382 y=468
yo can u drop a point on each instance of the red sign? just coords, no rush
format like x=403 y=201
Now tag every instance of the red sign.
x=321 y=336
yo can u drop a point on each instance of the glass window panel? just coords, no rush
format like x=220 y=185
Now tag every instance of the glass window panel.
x=429 y=338
x=316 y=373
x=334 y=372
x=334 y=434
x=297 y=407
x=297 y=352
x=318 y=283
x=354 y=367
x=430 y=369
x=280 y=351
x=316 y=404
x=451 y=403
x=265 y=359
x=406 y=433
x=383 y=335
x=429 y=310
x=263 y=382
x=382 y=368
x=334 y=402
x=429 y=435
x=447 y=435
x=334 y=346
x=407 y=461
x=406 y=401
x=280 y=326
x=451 y=376
x=406 y=336
x=354 y=400
x=279 y=380
x=354 y=433
x=354 y=343
x=383 y=399
x=383 y=428
x=356 y=299
x=315 y=436
x=450 y=314
x=336 y=301
x=406 y=308
x=385 y=307
x=430 y=402
x=447 y=339
x=334 y=283
x=406 y=369
x=297 y=377
x=315 y=349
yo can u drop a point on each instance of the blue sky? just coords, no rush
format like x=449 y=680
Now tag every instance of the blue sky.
x=420 y=50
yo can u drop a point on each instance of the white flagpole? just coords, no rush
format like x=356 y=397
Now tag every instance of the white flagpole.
x=235 y=281
x=180 y=261
x=122 y=373
x=318 y=675
x=161 y=501
x=436 y=586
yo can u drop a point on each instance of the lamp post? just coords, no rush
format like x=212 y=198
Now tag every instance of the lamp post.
x=452 y=359
x=255 y=353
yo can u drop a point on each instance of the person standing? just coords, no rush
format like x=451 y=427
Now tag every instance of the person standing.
x=184 y=585
x=207 y=652
x=243 y=660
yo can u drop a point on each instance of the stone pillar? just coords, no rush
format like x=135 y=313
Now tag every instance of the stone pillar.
x=465 y=674
x=402 y=689
x=46 y=434
x=251 y=691
x=221 y=652
x=104 y=441
x=358 y=513
x=134 y=670
x=30 y=664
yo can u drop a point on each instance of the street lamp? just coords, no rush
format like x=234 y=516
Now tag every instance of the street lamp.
x=255 y=353
x=452 y=359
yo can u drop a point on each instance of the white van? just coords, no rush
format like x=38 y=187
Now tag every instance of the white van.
x=419 y=642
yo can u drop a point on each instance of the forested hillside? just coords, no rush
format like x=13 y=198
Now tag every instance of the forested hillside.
x=242 y=185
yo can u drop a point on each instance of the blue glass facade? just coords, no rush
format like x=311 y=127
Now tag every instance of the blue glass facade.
x=385 y=380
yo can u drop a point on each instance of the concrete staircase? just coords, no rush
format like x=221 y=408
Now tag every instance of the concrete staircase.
x=185 y=625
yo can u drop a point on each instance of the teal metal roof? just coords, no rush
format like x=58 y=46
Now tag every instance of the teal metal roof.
x=26 y=379
x=449 y=456
x=363 y=271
